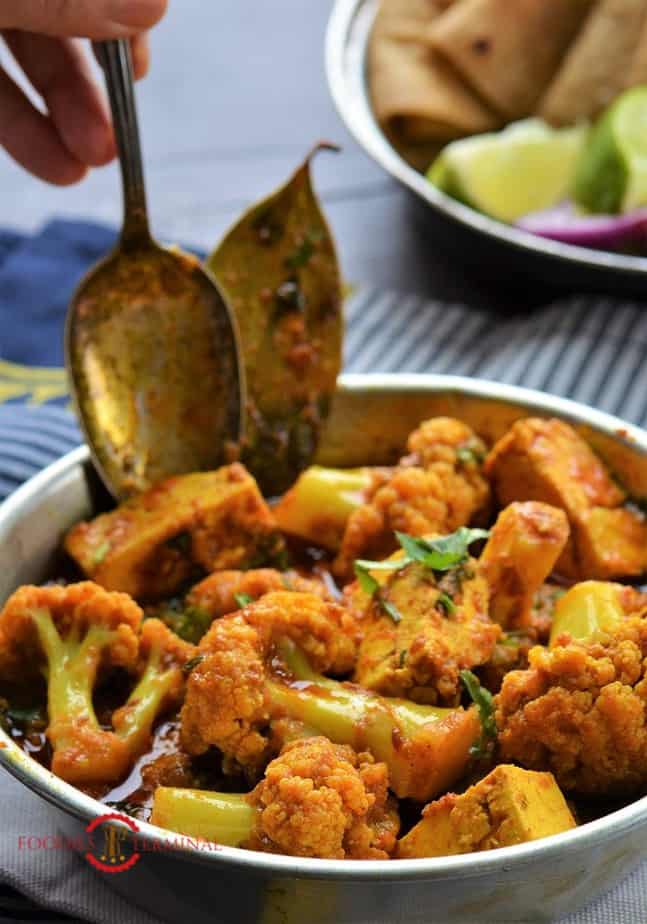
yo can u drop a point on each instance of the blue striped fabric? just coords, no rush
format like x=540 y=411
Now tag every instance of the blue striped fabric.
x=30 y=438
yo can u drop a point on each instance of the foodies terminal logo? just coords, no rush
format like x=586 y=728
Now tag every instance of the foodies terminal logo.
x=110 y=848
x=111 y=843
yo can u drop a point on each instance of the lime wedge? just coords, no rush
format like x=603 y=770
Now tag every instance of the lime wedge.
x=524 y=168
x=611 y=175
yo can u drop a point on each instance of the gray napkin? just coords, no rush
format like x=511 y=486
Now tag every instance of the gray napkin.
x=587 y=349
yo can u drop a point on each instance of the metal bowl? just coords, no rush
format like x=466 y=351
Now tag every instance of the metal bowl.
x=539 y=881
x=494 y=248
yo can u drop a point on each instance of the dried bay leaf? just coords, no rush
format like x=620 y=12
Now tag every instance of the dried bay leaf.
x=278 y=269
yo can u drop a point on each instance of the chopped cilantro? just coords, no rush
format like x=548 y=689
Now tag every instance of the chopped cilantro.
x=189 y=622
x=366 y=580
x=468 y=455
x=243 y=600
x=446 y=603
x=100 y=553
x=389 y=608
x=403 y=657
x=302 y=253
x=191 y=663
x=482 y=699
x=371 y=587
x=444 y=553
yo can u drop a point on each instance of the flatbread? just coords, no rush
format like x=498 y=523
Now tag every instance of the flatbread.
x=638 y=70
x=596 y=68
x=416 y=96
x=507 y=50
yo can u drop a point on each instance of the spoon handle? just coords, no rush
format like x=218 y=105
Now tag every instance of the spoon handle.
x=116 y=61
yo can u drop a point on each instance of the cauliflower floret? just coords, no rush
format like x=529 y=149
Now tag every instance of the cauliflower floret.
x=437 y=488
x=160 y=687
x=71 y=634
x=579 y=710
x=319 y=799
x=217 y=594
x=233 y=673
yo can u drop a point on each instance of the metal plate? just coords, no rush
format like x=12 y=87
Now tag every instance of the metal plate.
x=538 y=881
x=488 y=245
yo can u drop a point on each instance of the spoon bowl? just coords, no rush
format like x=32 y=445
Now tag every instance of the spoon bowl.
x=152 y=346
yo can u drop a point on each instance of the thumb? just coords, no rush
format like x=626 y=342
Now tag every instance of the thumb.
x=95 y=19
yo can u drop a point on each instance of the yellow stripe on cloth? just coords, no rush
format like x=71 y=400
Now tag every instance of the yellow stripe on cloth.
x=35 y=384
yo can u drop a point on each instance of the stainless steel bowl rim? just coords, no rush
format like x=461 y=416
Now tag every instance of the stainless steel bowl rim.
x=344 y=55
x=548 y=850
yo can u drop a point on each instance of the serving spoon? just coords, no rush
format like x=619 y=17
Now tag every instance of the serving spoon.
x=152 y=348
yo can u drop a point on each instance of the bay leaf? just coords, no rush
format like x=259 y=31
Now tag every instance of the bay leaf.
x=278 y=269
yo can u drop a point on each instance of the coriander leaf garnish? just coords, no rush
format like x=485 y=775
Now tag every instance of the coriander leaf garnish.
x=100 y=553
x=403 y=657
x=366 y=580
x=446 y=603
x=391 y=564
x=371 y=587
x=443 y=553
x=467 y=455
x=191 y=663
x=482 y=699
x=389 y=608
x=243 y=600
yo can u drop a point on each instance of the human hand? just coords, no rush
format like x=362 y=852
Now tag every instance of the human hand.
x=75 y=131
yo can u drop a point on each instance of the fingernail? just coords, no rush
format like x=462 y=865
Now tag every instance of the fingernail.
x=137 y=14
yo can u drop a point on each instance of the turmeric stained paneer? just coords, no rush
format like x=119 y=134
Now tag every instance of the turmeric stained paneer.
x=546 y=460
x=440 y=628
x=526 y=542
x=185 y=526
x=509 y=806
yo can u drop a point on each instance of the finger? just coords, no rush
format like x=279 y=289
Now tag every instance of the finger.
x=31 y=139
x=59 y=70
x=95 y=19
x=141 y=55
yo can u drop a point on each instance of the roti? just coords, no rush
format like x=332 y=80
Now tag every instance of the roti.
x=507 y=50
x=416 y=95
x=595 y=69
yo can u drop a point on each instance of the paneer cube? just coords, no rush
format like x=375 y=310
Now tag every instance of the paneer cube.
x=524 y=545
x=546 y=460
x=509 y=806
x=183 y=527
x=442 y=628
